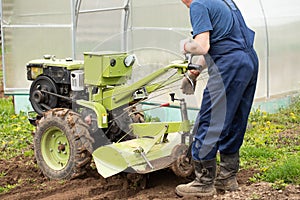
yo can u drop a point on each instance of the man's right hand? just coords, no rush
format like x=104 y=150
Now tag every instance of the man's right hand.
x=182 y=45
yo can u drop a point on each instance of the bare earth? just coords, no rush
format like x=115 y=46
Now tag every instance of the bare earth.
x=31 y=184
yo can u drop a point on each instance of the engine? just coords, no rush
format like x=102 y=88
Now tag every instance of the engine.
x=58 y=83
x=53 y=85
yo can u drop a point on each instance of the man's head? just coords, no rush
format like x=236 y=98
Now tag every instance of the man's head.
x=187 y=2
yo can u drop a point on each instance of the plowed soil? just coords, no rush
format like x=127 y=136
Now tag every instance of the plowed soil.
x=31 y=184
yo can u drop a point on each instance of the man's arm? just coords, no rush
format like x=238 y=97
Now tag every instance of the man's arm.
x=199 y=45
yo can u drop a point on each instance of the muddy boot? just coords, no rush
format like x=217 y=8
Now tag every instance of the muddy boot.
x=203 y=185
x=229 y=167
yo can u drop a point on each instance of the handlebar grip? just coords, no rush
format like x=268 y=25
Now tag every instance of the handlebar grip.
x=194 y=66
x=165 y=105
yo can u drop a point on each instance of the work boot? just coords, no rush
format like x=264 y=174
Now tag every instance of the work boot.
x=229 y=167
x=203 y=185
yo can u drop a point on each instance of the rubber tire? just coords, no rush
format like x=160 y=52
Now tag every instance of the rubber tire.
x=79 y=140
x=180 y=167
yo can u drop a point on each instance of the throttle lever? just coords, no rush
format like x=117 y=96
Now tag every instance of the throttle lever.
x=191 y=66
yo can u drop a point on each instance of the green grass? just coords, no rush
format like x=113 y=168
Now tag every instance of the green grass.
x=272 y=145
x=7 y=188
x=286 y=170
x=15 y=131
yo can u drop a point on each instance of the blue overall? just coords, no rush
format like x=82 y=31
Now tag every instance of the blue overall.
x=227 y=99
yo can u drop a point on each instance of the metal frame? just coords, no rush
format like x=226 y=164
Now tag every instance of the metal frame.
x=268 y=33
x=126 y=18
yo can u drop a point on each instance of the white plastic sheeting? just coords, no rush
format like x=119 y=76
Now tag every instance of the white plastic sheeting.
x=150 y=29
x=31 y=29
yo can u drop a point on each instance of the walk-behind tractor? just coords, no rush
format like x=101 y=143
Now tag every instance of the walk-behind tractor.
x=87 y=110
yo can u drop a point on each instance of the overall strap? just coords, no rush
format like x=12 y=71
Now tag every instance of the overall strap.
x=246 y=33
x=231 y=4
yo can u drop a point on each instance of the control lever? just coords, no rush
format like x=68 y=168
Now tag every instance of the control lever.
x=191 y=66
x=184 y=117
x=195 y=67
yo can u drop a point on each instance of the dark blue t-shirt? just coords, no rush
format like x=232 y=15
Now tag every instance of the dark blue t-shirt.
x=211 y=15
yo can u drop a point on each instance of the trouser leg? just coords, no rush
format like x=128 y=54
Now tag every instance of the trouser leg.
x=231 y=141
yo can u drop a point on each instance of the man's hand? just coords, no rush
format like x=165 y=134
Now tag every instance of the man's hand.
x=182 y=45
x=188 y=84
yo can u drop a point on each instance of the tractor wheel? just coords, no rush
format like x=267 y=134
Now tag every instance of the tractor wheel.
x=62 y=144
x=182 y=166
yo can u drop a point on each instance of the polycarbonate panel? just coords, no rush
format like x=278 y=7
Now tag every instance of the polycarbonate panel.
x=253 y=14
x=155 y=30
x=157 y=13
x=284 y=27
x=26 y=44
x=175 y=16
x=156 y=46
x=284 y=58
x=31 y=29
x=41 y=12
x=99 y=31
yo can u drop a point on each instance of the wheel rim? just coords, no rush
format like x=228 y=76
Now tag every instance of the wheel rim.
x=182 y=165
x=55 y=148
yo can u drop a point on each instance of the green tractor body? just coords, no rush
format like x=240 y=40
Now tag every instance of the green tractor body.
x=87 y=109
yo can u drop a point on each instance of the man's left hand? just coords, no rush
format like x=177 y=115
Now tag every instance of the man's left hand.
x=188 y=84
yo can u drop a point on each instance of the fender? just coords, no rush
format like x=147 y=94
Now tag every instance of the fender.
x=99 y=109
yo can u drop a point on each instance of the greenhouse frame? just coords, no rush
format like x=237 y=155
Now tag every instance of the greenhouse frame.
x=150 y=29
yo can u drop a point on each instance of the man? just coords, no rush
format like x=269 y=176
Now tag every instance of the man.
x=221 y=35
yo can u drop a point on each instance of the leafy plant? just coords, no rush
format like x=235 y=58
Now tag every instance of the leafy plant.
x=15 y=131
x=285 y=170
x=2 y=174
x=272 y=145
x=7 y=188
x=279 y=185
x=149 y=118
